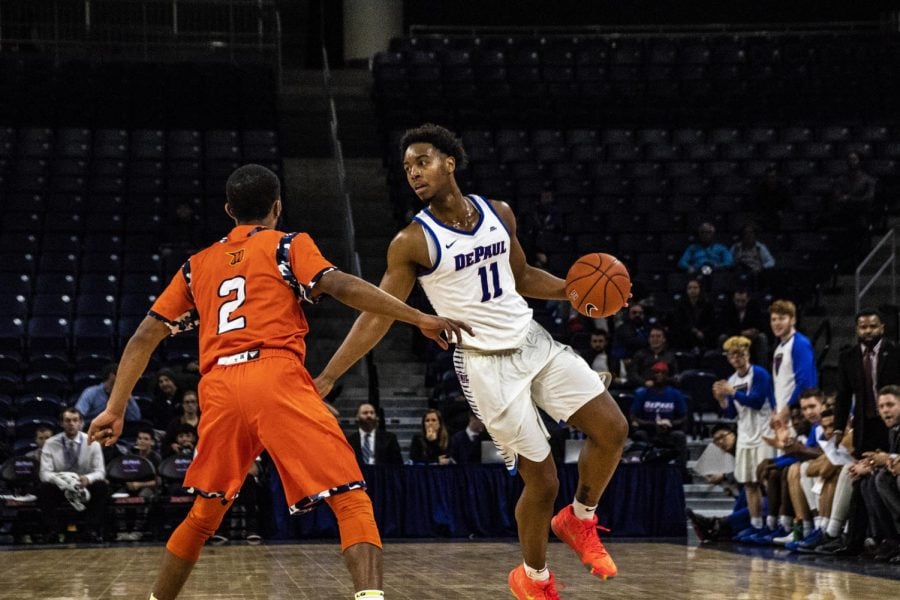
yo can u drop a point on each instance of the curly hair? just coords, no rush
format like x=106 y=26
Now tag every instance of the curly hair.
x=440 y=137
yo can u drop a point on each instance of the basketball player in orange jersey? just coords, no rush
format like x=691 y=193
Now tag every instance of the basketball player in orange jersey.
x=464 y=252
x=255 y=392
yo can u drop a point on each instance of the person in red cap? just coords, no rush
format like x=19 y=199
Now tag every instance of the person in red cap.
x=658 y=414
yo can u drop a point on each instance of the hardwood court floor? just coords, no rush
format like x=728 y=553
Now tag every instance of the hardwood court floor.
x=427 y=571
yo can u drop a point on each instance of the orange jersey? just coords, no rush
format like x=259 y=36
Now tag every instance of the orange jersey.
x=245 y=291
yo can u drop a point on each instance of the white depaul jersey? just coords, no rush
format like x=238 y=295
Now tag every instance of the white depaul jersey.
x=752 y=424
x=471 y=279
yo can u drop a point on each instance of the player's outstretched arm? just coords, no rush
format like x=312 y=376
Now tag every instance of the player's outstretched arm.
x=370 y=327
x=362 y=295
x=530 y=281
x=107 y=426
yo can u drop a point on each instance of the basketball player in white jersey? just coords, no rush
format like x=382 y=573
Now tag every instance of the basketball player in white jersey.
x=464 y=252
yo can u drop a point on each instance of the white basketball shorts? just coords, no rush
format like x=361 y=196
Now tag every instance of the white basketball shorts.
x=505 y=389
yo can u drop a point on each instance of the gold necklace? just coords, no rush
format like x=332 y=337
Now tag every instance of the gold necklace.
x=457 y=224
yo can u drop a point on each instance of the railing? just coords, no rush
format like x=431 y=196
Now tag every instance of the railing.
x=888 y=241
x=233 y=30
x=823 y=332
x=644 y=30
x=349 y=222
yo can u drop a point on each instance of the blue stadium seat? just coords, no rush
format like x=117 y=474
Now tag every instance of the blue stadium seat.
x=93 y=333
x=99 y=282
x=48 y=334
x=10 y=383
x=39 y=362
x=46 y=284
x=46 y=383
x=94 y=304
x=13 y=305
x=26 y=426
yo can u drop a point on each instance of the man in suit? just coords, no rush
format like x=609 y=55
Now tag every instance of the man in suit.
x=465 y=445
x=373 y=447
x=72 y=469
x=865 y=368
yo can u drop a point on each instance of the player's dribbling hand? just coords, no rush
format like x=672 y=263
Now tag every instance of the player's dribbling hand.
x=106 y=428
x=443 y=331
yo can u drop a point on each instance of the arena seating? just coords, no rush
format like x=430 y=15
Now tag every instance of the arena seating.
x=641 y=138
x=91 y=200
x=637 y=139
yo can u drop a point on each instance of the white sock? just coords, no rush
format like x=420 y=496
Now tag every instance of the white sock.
x=786 y=522
x=756 y=522
x=807 y=528
x=771 y=522
x=368 y=594
x=537 y=574
x=583 y=511
x=152 y=597
x=823 y=523
x=817 y=521
x=834 y=528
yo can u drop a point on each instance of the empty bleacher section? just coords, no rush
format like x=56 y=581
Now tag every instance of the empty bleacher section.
x=639 y=138
x=110 y=174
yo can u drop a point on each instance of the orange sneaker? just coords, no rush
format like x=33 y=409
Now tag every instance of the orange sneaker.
x=524 y=587
x=581 y=536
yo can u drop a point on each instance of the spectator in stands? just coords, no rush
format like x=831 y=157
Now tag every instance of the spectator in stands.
x=640 y=368
x=72 y=469
x=181 y=232
x=794 y=363
x=632 y=334
x=247 y=528
x=601 y=359
x=694 y=321
x=658 y=414
x=545 y=217
x=93 y=399
x=705 y=255
x=465 y=445
x=558 y=438
x=166 y=399
x=742 y=316
x=373 y=446
x=190 y=415
x=870 y=364
x=185 y=442
x=854 y=193
x=710 y=529
x=145 y=446
x=750 y=255
x=41 y=435
x=770 y=199
x=747 y=396
x=432 y=445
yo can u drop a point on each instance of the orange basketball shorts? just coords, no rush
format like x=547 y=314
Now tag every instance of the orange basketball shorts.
x=270 y=403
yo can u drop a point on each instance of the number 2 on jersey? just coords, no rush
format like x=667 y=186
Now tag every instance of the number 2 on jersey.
x=495 y=277
x=236 y=286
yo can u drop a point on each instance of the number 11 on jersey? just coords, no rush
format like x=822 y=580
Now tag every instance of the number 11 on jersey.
x=495 y=279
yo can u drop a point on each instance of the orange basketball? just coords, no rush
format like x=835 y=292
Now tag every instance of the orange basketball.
x=598 y=285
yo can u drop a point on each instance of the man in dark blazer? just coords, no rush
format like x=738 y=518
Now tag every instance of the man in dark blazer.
x=382 y=447
x=883 y=360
